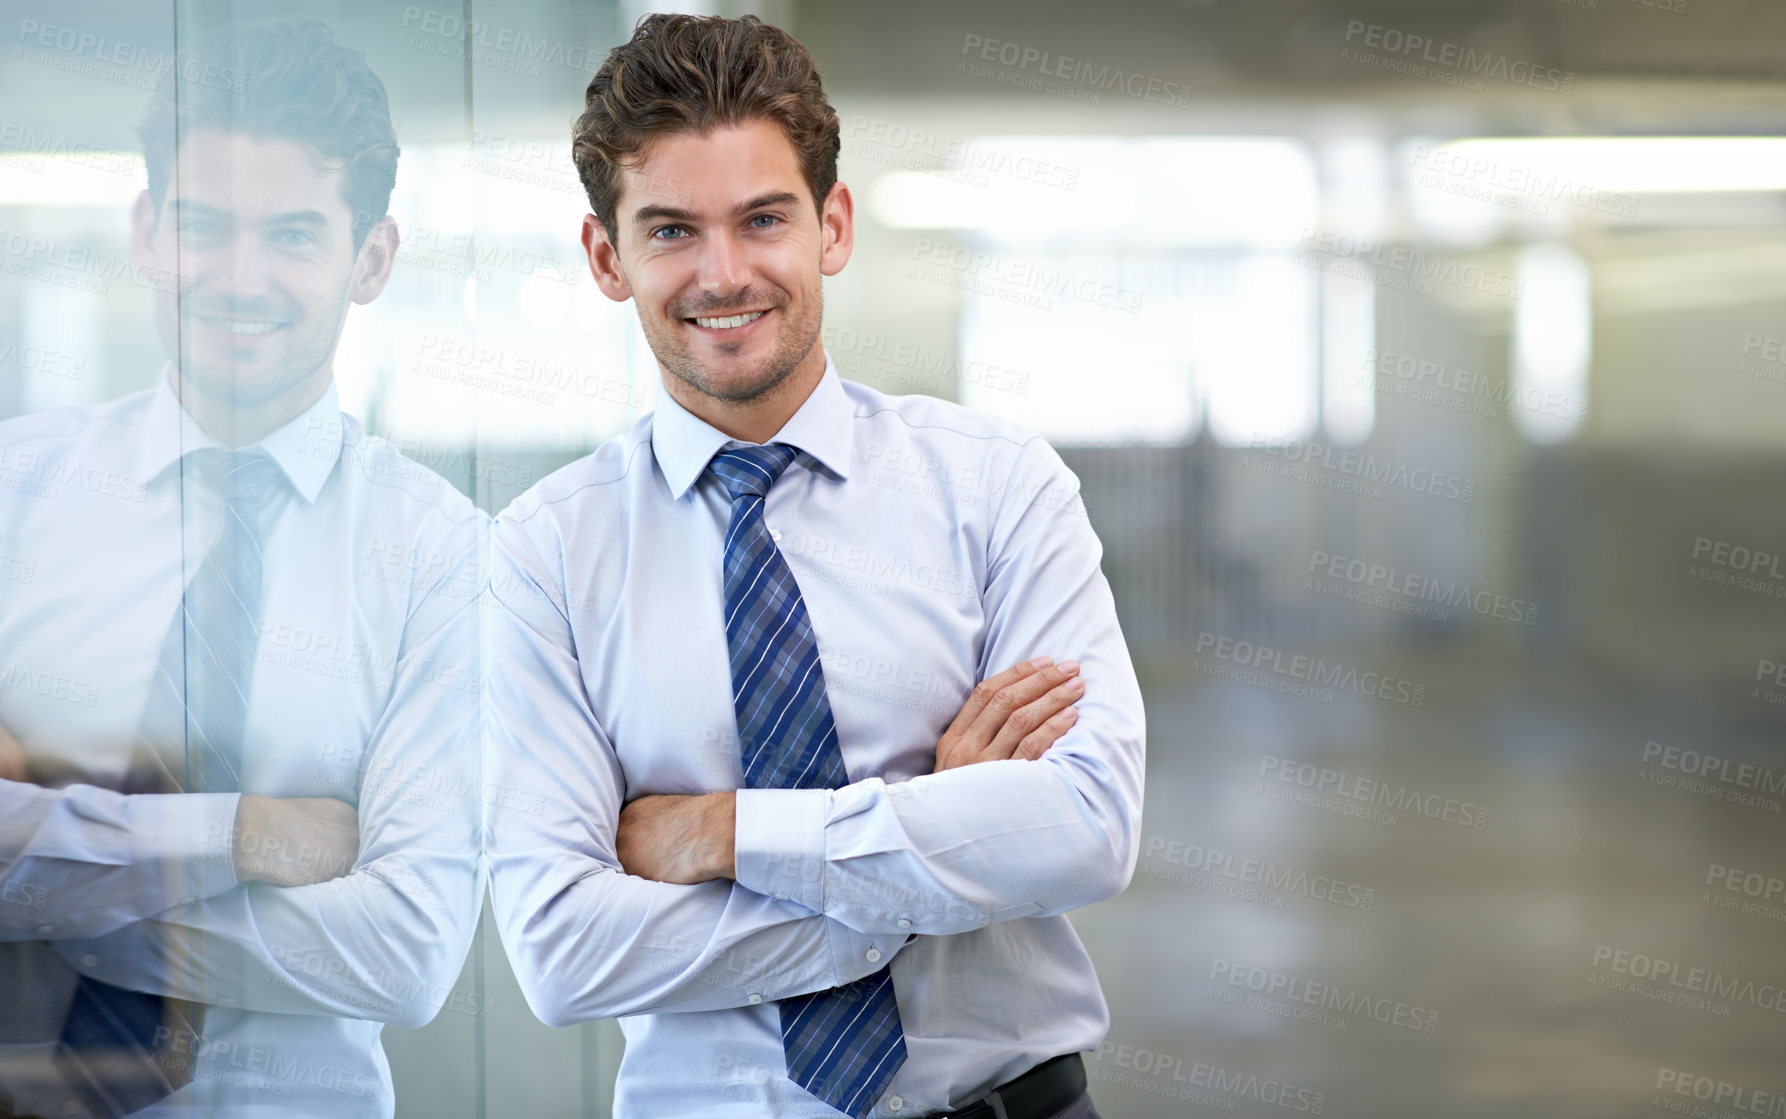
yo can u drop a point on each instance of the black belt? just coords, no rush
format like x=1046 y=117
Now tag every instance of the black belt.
x=1038 y=1094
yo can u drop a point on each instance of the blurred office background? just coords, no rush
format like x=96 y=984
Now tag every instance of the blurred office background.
x=1425 y=369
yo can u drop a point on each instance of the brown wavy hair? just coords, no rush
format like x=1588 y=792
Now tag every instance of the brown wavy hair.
x=682 y=73
x=286 y=80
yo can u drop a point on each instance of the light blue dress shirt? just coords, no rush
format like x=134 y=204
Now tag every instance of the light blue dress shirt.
x=365 y=689
x=934 y=547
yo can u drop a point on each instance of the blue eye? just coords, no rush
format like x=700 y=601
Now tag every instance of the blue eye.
x=661 y=233
x=763 y=221
x=292 y=237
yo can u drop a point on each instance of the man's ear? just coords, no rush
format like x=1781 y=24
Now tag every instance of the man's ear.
x=378 y=255
x=144 y=222
x=837 y=230
x=604 y=260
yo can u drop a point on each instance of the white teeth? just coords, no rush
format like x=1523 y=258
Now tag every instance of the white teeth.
x=236 y=326
x=729 y=323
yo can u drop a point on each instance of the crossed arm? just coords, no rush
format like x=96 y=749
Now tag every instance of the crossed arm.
x=301 y=905
x=1017 y=714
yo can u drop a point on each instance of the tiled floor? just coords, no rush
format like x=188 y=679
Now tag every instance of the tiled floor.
x=1567 y=958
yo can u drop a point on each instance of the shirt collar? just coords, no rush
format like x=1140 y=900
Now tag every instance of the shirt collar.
x=306 y=448
x=822 y=428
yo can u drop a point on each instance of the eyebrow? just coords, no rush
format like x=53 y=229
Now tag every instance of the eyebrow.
x=646 y=214
x=290 y=217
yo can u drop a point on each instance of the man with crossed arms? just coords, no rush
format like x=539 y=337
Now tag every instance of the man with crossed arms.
x=724 y=650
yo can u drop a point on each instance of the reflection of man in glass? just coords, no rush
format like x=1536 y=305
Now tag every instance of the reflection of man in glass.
x=724 y=648
x=238 y=827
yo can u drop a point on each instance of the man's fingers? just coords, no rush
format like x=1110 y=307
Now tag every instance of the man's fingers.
x=1013 y=698
x=1036 y=742
x=986 y=689
x=1032 y=716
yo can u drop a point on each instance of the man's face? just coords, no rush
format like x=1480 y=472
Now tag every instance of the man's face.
x=252 y=250
x=721 y=247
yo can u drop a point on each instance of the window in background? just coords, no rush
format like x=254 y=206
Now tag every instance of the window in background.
x=1552 y=339
x=1056 y=259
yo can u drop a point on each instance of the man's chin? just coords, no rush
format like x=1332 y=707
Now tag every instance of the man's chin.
x=238 y=383
x=738 y=388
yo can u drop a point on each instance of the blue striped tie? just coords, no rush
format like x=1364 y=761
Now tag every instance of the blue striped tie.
x=191 y=740
x=842 y=1045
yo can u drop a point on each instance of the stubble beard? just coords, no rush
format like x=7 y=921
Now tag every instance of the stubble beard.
x=797 y=340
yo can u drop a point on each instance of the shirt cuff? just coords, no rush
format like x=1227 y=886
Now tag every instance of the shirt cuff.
x=184 y=844
x=778 y=844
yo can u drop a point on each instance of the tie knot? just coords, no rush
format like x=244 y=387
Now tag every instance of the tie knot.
x=242 y=478
x=750 y=470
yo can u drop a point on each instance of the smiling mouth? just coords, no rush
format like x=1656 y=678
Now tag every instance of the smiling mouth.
x=243 y=326
x=729 y=322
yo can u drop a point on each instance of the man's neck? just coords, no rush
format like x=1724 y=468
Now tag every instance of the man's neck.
x=234 y=424
x=758 y=419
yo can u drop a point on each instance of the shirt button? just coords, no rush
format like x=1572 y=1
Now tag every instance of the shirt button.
x=89 y=960
x=894 y=1103
x=755 y=999
x=781 y=897
x=903 y=923
x=874 y=955
x=775 y=535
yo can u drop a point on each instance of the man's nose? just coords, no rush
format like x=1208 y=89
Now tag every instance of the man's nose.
x=250 y=270
x=724 y=265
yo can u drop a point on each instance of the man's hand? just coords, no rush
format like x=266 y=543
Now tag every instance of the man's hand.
x=679 y=839
x=12 y=757
x=1017 y=714
x=295 y=841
